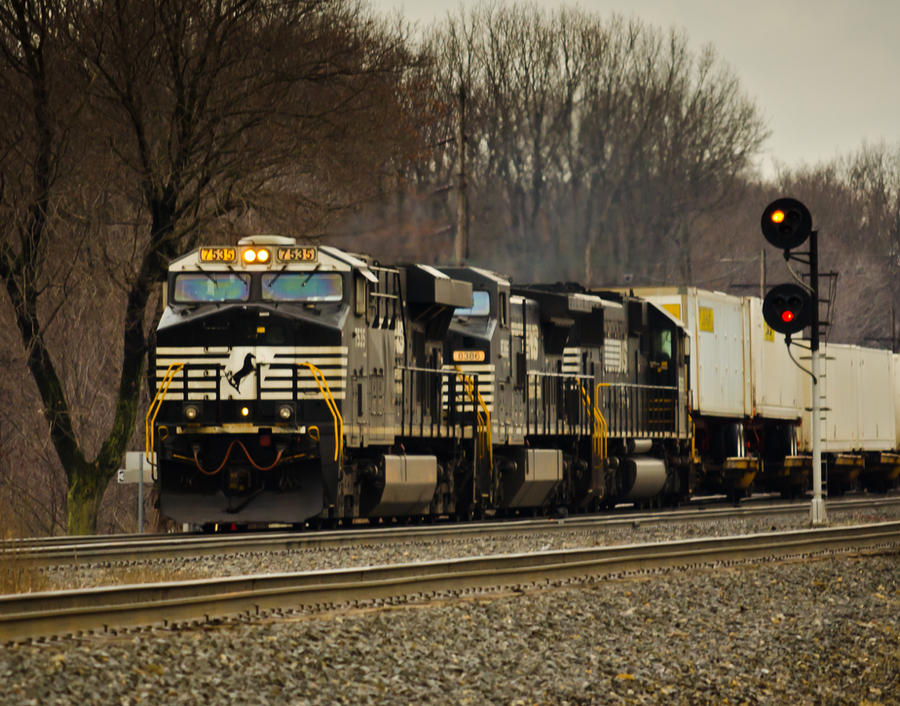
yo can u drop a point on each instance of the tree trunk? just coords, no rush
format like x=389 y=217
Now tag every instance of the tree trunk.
x=87 y=483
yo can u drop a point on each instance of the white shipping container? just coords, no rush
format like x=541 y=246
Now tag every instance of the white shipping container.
x=717 y=324
x=897 y=399
x=777 y=384
x=876 y=409
x=857 y=415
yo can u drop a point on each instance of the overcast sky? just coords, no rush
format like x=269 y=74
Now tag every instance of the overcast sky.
x=824 y=73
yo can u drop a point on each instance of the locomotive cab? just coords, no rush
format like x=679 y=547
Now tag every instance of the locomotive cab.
x=251 y=364
x=297 y=381
x=476 y=332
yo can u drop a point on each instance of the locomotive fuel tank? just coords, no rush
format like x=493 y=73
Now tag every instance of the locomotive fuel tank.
x=529 y=479
x=641 y=478
x=401 y=485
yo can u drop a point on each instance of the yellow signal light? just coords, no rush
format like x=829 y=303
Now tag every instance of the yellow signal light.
x=777 y=216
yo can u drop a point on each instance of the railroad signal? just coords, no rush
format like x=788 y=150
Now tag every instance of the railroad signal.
x=787 y=308
x=786 y=223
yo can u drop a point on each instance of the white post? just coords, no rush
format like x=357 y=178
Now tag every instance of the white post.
x=140 y=507
x=817 y=511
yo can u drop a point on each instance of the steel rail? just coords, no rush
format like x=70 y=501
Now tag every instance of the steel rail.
x=63 y=612
x=65 y=551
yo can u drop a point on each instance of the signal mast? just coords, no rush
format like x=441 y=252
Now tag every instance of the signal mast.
x=789 y=308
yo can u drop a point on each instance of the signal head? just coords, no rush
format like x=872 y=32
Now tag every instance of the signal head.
x=786 y=223
x=787 y=308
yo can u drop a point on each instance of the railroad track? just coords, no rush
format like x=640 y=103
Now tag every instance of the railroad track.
x=107 y=609
x=64 y=551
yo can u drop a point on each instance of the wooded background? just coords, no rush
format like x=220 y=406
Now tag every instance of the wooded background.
x=597 y=149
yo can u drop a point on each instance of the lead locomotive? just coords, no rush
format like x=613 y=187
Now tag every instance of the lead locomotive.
x=296 y=383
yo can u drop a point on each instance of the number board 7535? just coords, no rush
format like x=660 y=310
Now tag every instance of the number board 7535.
x=301 y=254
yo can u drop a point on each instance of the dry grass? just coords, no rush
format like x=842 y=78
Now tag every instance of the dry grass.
x=19 y=575
x=120 y=575
x=25 y=576
x=16 y=575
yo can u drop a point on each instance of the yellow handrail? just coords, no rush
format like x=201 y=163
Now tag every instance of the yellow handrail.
x=601 y=422
x=598 y=432
x=322 y=382
x=173 y=370
x=153 y=409
x=482 y=416
x=596 y=440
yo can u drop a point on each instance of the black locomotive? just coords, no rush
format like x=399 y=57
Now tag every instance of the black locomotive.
x=299 y=383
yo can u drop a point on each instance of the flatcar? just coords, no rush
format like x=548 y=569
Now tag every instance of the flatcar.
x=750 y=402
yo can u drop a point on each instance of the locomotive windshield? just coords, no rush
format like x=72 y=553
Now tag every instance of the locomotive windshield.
x=481 y=305
x=302 y=287
x=211 y=287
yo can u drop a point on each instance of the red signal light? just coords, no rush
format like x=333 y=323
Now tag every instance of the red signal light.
x=777 y=216
x=787 y=308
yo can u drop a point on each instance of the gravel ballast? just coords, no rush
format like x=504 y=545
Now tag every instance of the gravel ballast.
x=378 y=553
x=822 y=631
x=800 y=631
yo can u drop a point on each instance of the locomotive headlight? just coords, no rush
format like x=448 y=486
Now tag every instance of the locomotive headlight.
x=258 y=256
x=245 y=411
x=285 y=411
x=191 y=412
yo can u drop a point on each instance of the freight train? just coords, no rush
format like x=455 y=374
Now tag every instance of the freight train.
x=301 y=383
x=751 y=401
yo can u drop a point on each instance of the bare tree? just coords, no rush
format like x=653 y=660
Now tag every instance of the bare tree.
x=874 y=177
x=186 y=115
x=855 y=202
x=41 y=106
x=603 y=139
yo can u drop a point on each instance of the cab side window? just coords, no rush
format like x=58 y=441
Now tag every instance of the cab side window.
x=662 y=345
